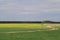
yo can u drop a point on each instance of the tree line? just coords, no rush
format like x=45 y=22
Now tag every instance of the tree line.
x=47 y=21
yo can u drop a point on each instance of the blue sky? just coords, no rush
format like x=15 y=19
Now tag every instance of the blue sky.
x=29 y=10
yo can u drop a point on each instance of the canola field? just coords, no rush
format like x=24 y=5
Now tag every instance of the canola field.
x=23 y=25
x=30 y=31
x=26 y=25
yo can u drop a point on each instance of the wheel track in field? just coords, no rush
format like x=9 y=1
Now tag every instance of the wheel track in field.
x=26 y=31
x=20 y=31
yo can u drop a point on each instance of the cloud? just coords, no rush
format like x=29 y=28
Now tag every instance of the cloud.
x=11 y=6
x=18 y=8
x=54 y=1
x=28 y=7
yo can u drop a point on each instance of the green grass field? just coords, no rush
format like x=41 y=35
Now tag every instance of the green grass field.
x=20 y=32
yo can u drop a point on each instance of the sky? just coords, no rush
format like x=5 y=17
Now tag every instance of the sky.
x=29 y=10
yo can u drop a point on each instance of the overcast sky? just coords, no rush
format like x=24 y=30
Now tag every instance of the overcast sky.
x=29 y=10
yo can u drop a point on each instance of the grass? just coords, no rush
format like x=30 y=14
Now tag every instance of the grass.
x=42 y=35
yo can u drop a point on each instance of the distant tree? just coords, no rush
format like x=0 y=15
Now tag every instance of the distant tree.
x=47 y=21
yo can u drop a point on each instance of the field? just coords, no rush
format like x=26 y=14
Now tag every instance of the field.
x=29 y=32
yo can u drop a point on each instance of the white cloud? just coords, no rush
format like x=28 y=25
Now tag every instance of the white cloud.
x=54 y=0
x=23 y=9
x=45 y=6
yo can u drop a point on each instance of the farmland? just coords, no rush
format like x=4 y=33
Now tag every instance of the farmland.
x=28 y=32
